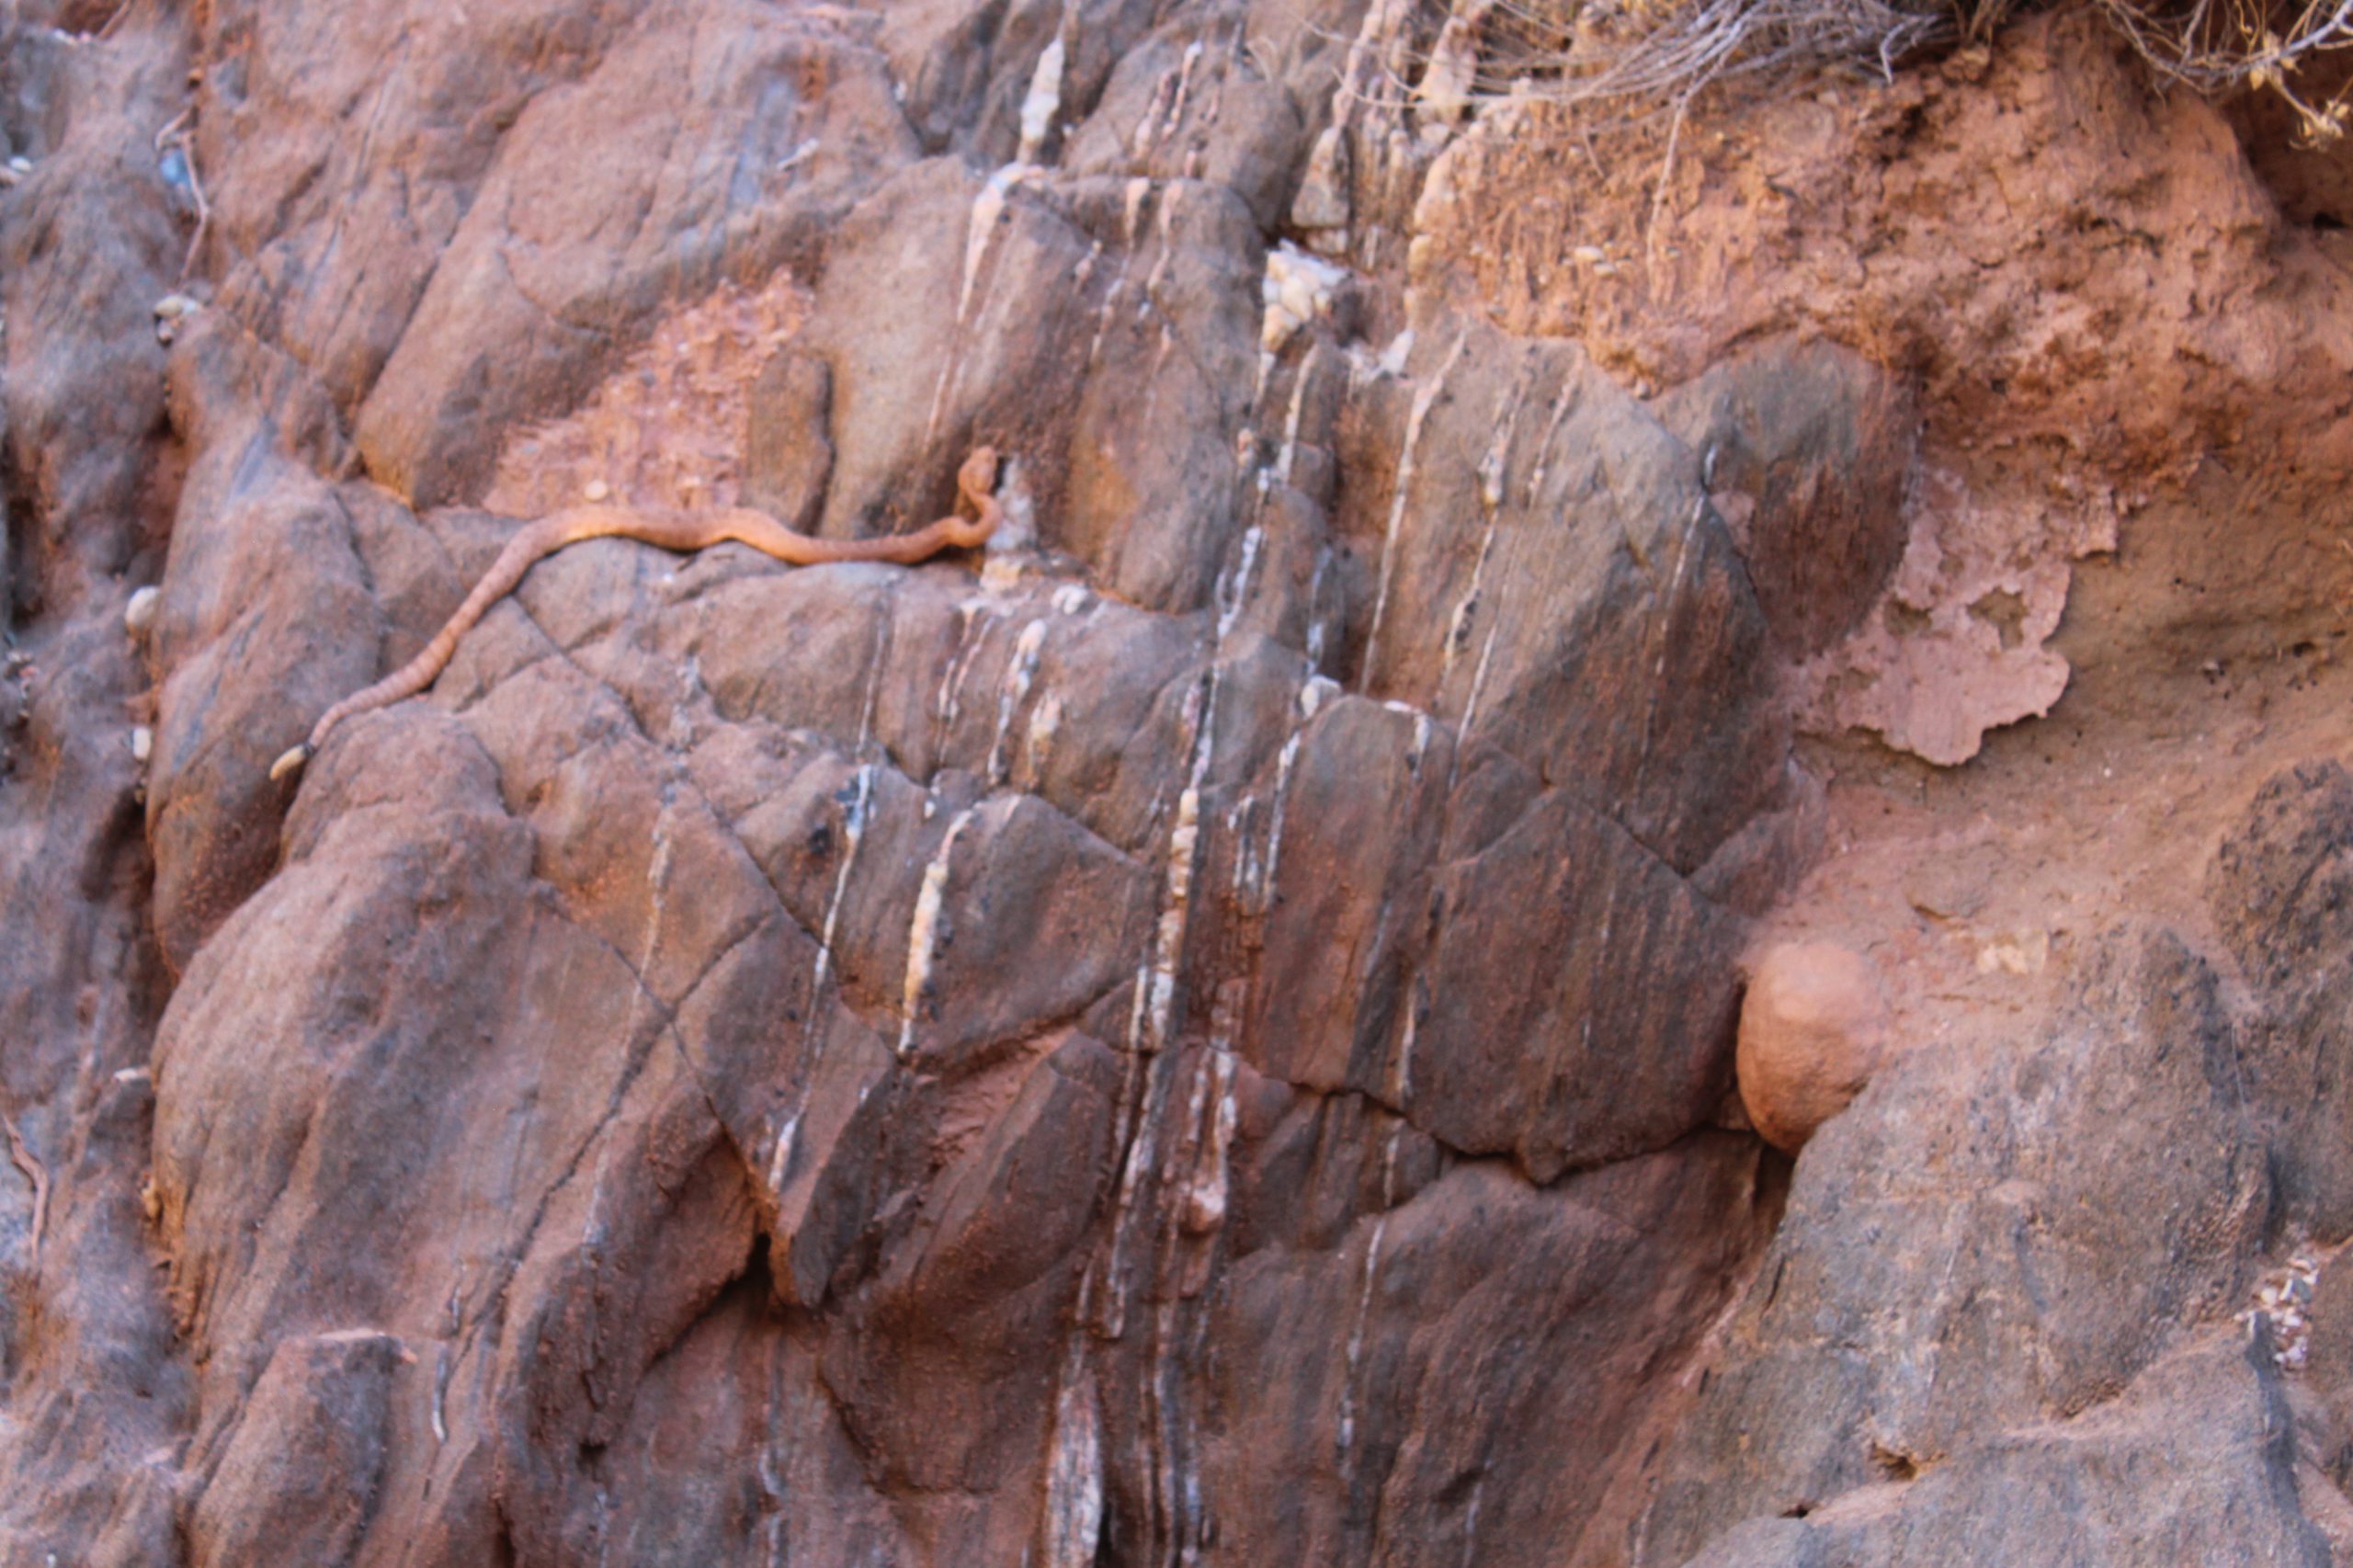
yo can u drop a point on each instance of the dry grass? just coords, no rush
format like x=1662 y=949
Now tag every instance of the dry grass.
x=1630 y=55
x=2256 y=44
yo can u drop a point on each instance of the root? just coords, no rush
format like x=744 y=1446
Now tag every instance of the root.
x=36 y=1172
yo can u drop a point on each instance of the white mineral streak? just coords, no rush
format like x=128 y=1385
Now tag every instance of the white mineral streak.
x=1206 y=1197
x=1142 y=1154
x=1298 y=288
x=1044 y=100
x=1138 y=1003
x=1237 y=592
x=657 y=881
x=780 y=1157
x=1321 y=206
x=1232 y=62
x=1137 y=192
x=1666 y=621
x=949 y=701
x=923 y=933
x=874 y=662
x=1391 y=362
x=1075 y=1475
x=680 y=735
x=1163 y=1460
x=1315 y=631
x=1152 y=1015
x=1199 y=717
x=1291 y=429
x=1471 y=1524
x=1491 y=499
x=1148 y=294
x=1401 y=1095
x=1424 y=399
x=1356 y=1338
x=1166 y=111
x=1147 y=131
x=1478 y=684
x=1168 y=944
x=1562 y=405
x=1020 y=671
x=1459 y=625
x=1283 y=766
x=1247 y=867
x=853 y=833
x=1045 y=723
x=979 y=232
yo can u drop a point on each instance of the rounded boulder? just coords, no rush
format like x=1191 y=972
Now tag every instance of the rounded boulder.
x=1812 y=1029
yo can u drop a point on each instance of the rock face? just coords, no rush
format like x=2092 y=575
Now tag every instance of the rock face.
x=1203 y=1033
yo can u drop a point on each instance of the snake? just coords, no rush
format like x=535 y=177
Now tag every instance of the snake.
x=682 y=531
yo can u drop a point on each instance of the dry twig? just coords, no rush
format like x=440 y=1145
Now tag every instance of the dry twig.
x=35 y=1172
x=1643 y=57
x=181 y=134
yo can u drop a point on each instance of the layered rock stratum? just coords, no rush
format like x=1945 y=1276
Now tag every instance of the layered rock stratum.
x=1203 y=1032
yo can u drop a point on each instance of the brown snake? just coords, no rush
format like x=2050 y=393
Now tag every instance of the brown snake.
x=975 y=483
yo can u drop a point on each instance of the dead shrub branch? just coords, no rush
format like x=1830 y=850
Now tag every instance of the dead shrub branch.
x=1638 y=56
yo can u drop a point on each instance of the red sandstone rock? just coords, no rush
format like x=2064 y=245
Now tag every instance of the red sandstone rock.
x=1193 y=1037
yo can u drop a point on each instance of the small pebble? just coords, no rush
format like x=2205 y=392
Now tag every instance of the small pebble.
x=140 y=613
x=595 y=489
x=142 y=744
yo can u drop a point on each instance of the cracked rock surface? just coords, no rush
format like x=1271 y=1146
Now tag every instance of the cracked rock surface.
x=1200 y=1033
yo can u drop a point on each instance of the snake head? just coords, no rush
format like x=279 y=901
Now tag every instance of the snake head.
x=977 y=478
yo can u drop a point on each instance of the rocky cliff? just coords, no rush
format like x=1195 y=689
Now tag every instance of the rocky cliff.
x=1203 y=1031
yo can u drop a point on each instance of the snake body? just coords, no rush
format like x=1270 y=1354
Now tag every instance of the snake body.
x=683 y=532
